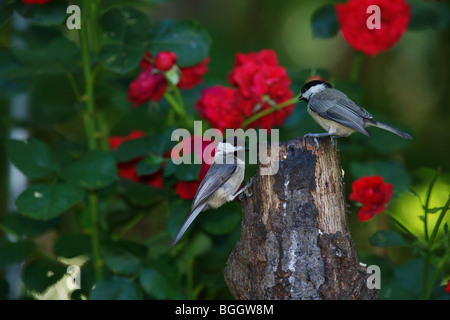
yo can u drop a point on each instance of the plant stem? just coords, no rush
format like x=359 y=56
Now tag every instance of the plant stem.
x=88 y=116
x=427 y=289
x=265 y=112
x=95 y=241
x=438 y=223
x=91 y=131
x=356 y=66
x=177 y=107
x=427 y=203
x=190 y=277
x=138 y=217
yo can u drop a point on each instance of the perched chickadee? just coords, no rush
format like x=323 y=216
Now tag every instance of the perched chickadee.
x=337 y=114
x=221 y=182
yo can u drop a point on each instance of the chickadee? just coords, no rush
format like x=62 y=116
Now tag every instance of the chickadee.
x=220 y=182
x=337 y=114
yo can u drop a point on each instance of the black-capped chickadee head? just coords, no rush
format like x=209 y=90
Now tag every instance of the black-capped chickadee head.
x=231 y=145
x=313 y=87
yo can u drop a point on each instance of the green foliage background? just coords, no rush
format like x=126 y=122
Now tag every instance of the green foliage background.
x=122 y=247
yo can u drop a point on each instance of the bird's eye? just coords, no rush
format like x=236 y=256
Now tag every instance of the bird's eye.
x=303 y=90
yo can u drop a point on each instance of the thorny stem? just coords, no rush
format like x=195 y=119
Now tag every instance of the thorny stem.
x=89 y=8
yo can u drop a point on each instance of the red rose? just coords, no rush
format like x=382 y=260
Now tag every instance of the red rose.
x=353 y=16
x=447 y=288
x=373 y=193
x=191 y=76
x=218 y=106
x=127 y=170
x=35 y=1
x=187 y=189
x=148 y=86
x=165 y=60
x=146 y=61
x=262 y=83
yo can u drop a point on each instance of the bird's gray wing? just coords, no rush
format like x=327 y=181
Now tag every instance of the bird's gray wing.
x=216 y=176
x=336 y=106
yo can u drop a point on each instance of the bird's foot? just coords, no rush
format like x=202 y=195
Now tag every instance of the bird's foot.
x=245 y=189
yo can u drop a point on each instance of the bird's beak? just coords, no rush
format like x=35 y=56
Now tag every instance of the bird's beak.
x=300 y=98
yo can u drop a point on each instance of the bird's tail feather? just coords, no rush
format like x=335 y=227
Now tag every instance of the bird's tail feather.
x=392 y=129
x=187 y=223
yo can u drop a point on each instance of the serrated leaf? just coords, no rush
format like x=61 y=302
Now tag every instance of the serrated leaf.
x=95 y=170
x=123 y=257
x=324 y=22
x=33 y=157
x=188 y=172
x=125 y=23
x=387 y=238
x=157 y=284
x=45 y=202
x=121 y=58
x=115 y=289
x=132 y=149
x=25 y=226
x=150 y=165
x=14 y=252
x=141 y=194
x=179 y=210
x=72 y=245
x=39 y=275
x=187 y=39
x=222 y=220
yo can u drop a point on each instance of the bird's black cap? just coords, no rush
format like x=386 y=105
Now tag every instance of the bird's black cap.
x=313 y=83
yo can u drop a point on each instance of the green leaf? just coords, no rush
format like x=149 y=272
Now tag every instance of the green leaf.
x=157 y=284
x=132 y=149
x=141 y=194
x=33 y=157
x=222 y=220
x=25 y=226
x=14 y=252
x=187 y=39
x=59 y=56
x=45 y=202
x=149 y=165
x=123 y=257
x=115 y=289
x=125 y=23
x=188 y=172
x=51 y=13
x=324 y=22
x=95 y=170
x=39 y=275
x=179 y=210
x=387 y=238
x=121 y=58
x=72 y=245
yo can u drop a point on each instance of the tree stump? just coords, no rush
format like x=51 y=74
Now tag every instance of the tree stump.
x=295 y=243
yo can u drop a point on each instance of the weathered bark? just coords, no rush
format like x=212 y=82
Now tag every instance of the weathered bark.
x=295 y=243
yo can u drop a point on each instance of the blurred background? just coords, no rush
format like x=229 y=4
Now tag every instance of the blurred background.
x=407 y=86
